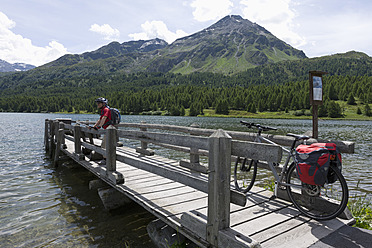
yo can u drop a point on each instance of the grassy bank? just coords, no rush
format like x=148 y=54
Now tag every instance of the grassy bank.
x=348 y=115
x=349 y=112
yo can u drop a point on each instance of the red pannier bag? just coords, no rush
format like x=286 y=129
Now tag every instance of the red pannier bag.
x=314 y=161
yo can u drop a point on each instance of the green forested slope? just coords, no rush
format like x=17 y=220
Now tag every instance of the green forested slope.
x=273 y=87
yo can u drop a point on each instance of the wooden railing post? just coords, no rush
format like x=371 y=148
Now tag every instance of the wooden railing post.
x=63 y=141
x=143 y=149
x=143 y=144
x=194 y=163
x=50 y=138
x=77 y=141
x=46 y=135
x=111 y=148
x=194 y=155
x=112 y=174
x=55 y=132
x=60 y=140
x=218 y=185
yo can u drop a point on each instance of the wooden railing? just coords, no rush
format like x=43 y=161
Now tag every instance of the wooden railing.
x=218 y=145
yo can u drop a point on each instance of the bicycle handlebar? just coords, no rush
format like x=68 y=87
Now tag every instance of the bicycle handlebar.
x=259 y=126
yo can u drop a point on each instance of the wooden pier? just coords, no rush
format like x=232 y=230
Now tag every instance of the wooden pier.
x=195 y=199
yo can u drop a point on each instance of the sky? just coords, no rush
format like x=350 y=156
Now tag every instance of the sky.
x=39 y=31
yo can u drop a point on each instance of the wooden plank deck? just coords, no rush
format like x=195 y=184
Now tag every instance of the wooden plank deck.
x=270 y=222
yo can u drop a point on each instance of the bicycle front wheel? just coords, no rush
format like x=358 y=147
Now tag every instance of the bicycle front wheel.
x=245 y=172
x=320 y=202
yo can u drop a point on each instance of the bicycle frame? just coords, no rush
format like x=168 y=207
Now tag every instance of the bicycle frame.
x=311 y=200
x=278 y=179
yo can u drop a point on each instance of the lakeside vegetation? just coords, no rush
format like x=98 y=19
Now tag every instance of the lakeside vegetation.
x=343 y=99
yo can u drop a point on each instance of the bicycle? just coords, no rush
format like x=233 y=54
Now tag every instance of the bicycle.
x=320 y=202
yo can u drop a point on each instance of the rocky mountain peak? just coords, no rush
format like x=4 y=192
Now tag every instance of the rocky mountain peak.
x=6 y=67
x=230 y=45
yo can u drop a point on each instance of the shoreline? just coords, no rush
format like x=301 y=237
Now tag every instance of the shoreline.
x=208 y=113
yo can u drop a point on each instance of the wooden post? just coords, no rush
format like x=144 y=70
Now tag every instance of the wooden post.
x=56 y=128
x=218 y=185
x=90 y=136
x=77 y=141
x=111 y=148
x=194 y=152
x=54 y=137
x=111 y=173
x=46 y=135
x=50 y=138
x=194 y=163
x=143 y=144
x=143 y=149
x=315 y=121
x=63 y=142
x=316 y=96
x=59 y=137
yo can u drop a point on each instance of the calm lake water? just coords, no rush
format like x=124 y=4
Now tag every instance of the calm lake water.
x=45 y=207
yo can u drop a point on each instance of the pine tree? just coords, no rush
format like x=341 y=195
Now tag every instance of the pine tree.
x=334 y=110
x=322 y=111
x=359 y=112
x=222 y=107
x=367 y=110
x=332 y=94
x=182 y=111
x=194 y=109
x=351 y=99
x=251 y=108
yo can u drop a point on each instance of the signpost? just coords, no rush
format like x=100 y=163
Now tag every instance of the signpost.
x=316 y=96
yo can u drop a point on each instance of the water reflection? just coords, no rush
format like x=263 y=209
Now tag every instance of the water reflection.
x=42 y=206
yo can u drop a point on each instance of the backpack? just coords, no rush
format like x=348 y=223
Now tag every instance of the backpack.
x=314 y=161
x=115 y=117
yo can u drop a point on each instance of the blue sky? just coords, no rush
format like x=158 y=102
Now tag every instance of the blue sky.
x=39 y=31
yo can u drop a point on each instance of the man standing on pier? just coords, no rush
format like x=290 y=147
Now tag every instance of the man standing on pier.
x=103 y=121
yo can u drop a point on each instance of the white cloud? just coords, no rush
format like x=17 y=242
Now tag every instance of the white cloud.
x=210 y=10
x=276 y=16
x=157 y=29
x=106 y=30
x=5 y=22
x=15 y=48
x=338 y=33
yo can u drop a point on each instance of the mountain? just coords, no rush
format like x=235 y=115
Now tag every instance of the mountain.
x=231 y=52
x=113 y=49
x=231 y=45
x=7 y=67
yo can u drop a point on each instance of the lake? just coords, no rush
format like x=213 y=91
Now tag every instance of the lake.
x=45 y=207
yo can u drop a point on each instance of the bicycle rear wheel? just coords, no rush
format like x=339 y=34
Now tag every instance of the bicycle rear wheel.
x=320 y=202
x=245 y=172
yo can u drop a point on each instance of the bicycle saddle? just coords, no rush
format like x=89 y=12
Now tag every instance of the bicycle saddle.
x=298 y=137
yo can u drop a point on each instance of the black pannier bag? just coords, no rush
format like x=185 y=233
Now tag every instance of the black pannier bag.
x=314 y=161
